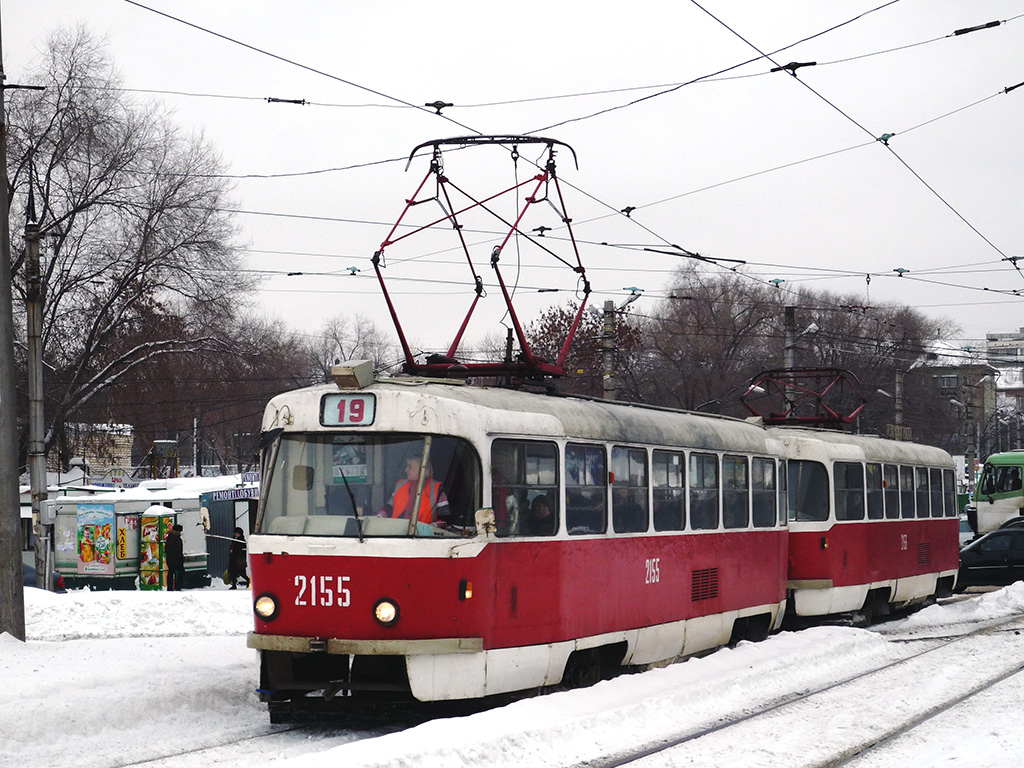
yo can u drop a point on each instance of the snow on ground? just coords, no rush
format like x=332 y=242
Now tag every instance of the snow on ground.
x=110 y=678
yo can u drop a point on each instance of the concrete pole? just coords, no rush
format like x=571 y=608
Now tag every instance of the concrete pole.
x=36 y=422
x=789 y=340
x=12 y=593
x=608 y=352
x=789 y=356
x=197 y=454
x=898 y=398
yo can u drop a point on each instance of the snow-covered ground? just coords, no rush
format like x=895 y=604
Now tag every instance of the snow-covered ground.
x=107 y=679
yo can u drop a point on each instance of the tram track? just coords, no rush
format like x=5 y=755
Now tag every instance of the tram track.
x=160 y=760
x=281 y=740
x=864 y=750
x=758 y=726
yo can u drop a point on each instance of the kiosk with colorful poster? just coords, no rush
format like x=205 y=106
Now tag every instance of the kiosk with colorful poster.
x=156 y=522
x=96 y=538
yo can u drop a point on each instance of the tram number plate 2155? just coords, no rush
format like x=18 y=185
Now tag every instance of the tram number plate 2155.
x=322 y=591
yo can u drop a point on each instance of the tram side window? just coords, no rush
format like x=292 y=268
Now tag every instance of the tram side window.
x=703 y=491
x=524 y=487
x=876 y=506
x=808 y=491
x=629 y=490
x=783 y=494
x=907 y=491
x=949 y=492
x=935 y=491
x=921 y=492
x=891 y=475
x=764 y=492
x=849 y=479
x=735 y=492
x=668 y=471
x=586 y=489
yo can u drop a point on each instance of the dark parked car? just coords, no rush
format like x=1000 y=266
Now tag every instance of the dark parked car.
x=996 y=559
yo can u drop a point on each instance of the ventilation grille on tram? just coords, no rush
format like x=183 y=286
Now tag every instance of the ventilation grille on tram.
x=924 y=553
x=705 y=584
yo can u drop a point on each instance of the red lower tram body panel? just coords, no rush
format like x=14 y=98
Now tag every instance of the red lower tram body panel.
x=863 y=554
x=524 y=593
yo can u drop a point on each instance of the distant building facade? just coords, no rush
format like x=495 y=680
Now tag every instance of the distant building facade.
x=101 y=447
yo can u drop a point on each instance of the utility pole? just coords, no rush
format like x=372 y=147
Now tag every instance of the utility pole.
x=36 y=422
x=898 y=399
x=608 y=387
x=12 y=593
x=789 y=356
x=197 y=454
x=789 y=340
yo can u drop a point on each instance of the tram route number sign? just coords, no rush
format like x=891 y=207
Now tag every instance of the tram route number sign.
x=355 y=410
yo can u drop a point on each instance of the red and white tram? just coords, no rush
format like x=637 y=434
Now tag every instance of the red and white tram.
x=666 y=536
x=873 y=523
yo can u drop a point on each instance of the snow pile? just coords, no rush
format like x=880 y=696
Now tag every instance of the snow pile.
x=80 y=614
x=1000 y=604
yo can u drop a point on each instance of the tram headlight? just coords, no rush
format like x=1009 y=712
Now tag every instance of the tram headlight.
x=386 y=612
x=265 y=606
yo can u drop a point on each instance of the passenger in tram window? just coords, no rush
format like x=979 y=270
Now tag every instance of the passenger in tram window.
x=433 y=506
x=542 y=519
x=504 y=504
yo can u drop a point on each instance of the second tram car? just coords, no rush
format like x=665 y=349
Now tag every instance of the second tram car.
x=873 y=523
x=665 y=534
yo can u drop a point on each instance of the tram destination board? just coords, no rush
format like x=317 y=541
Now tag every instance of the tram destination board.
x=348 y=410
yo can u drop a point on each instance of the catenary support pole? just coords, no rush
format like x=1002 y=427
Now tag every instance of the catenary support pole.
x=608 y=353
x=36 y=421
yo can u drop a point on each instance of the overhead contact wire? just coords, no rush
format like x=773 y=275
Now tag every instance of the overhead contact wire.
x=298 y=64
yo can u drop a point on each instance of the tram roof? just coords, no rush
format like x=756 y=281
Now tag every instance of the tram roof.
x=501 y=411
x=816 y=443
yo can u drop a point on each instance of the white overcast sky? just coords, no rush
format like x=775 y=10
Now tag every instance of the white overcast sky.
x=945 y=203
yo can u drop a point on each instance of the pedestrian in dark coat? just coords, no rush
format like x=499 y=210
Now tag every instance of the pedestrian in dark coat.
x=174 y=556
x=237 y=563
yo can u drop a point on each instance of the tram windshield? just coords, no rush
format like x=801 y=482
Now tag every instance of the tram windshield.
x=325 y=484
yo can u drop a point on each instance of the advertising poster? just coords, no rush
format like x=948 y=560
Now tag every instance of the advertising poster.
x=152 y=571
x=96 y=538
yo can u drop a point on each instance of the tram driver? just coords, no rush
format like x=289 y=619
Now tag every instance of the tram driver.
x=433 y=506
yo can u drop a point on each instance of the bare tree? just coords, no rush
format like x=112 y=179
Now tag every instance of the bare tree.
x=714 y=335
x=216 y=394
x=353 y=337
x=138 y=261
x=584 y=365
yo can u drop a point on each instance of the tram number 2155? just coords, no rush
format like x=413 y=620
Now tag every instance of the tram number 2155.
x=653 y=571
x=322 y=591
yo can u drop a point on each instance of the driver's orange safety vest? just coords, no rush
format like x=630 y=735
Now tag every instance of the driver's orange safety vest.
x=428 y=500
